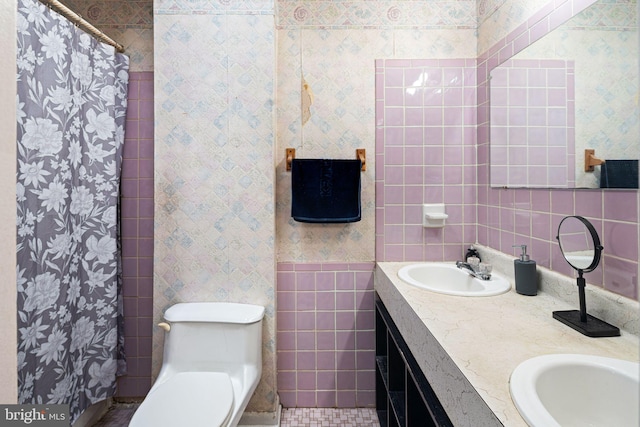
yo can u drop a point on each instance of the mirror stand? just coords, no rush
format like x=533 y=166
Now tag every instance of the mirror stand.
x=582 y=322
x=581 y=248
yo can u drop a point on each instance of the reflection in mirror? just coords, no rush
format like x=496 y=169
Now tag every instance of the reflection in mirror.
x=576 y=243
x=574 y=89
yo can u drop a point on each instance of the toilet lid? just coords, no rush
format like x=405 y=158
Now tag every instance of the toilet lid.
x=191 y=399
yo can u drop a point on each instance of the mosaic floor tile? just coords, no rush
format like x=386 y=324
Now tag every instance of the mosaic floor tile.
x=120 y=415
x=329 y=417
x=117 y=416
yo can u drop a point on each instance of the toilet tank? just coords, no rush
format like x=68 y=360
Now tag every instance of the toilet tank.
x=213 y=336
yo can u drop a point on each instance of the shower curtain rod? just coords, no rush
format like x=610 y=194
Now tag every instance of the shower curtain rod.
x=80 y=22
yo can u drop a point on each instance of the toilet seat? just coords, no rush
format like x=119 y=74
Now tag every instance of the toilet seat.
x=194 y=399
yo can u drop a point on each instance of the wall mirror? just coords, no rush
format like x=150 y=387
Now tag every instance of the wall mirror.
x=568 y=99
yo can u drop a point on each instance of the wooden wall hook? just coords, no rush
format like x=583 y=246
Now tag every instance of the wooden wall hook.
x=590 y=160
x=290 y=154
x=361 y=154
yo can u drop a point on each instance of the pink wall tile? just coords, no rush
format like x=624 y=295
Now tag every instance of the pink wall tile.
x=613 y=213
x=137 y=236
x=621 y=205
x=414 y=116
x=621 y=276
x=326 y=335
x=449 y=84
x=286 y=300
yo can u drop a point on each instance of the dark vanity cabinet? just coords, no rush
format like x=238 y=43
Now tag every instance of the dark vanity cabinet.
x=404 y=397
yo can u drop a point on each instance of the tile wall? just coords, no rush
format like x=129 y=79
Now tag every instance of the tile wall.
x=521 y=216
x=425 y=130
x=325 y=333
x=425 y=153
x=333 y=47
x=361 y=38
x=137 y=236
x=533 y=130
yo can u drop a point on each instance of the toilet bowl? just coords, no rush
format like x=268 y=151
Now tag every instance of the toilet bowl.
x=211 y=366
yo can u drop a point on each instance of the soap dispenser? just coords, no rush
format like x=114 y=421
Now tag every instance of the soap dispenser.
x=525 y=273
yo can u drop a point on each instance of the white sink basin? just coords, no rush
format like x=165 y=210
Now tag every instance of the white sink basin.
x=576 y=390
x=446 y=278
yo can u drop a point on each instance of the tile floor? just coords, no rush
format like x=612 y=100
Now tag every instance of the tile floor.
x=328 y=417
x=120 y=415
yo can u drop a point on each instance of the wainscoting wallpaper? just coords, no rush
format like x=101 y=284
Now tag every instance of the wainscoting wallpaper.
x=214 y=186
x=128 y=22
x=333 y=46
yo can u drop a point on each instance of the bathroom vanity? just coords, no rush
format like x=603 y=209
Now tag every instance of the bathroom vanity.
x=404 y=397
x=449 y=358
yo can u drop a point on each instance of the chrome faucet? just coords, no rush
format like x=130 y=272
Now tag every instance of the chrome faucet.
x=468 y=268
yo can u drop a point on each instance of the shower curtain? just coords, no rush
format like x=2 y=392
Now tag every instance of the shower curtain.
x=71 y=107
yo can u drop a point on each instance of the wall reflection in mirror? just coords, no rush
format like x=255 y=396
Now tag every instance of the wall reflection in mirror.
x=577 y=242
x=573 y=90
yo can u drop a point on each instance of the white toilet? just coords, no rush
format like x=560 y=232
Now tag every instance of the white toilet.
x=211 y=366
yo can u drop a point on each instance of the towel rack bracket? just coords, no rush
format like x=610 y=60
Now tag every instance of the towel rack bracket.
x=590 y=160
x=290 y=154
x=361 y=154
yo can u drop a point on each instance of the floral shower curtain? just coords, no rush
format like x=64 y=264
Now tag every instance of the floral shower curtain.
x=71 y=107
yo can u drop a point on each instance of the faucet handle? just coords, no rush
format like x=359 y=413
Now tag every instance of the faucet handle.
x=485 y=269
x=474 y=262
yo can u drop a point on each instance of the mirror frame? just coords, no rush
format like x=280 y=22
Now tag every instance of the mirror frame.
x=596 y=243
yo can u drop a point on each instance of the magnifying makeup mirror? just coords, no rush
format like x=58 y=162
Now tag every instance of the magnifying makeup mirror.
x=581 y=248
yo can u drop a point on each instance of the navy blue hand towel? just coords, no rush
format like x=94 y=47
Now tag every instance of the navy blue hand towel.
x=619 y=174
x=325 y=191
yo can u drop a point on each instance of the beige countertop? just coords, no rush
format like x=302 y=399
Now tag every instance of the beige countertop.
x=486 y=338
